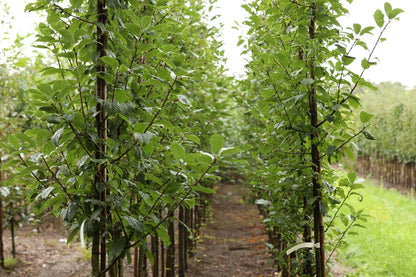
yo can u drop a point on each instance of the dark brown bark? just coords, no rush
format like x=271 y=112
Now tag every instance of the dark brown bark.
x=142 y=263
x=136 y=262
x=181 y=243
x=98 y=258
x=155 y=252
x=13 y=235
x=1 y=223
x=319 y=233
x=170 y=255
x=162 y=260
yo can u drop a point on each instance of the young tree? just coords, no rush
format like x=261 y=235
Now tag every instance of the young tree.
x=125 y=109
x=303 y=91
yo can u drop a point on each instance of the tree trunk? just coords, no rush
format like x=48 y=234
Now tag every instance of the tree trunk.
x=1 y=222
x=155 y=251
x=13 y=236
x=181 y=243
x=319 y=233
x=170 y=255
x=98 y=258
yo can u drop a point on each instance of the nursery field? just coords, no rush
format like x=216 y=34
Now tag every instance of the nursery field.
x=126 y=136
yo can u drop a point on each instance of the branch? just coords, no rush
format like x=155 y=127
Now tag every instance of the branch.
x=57 y=180
x=345 y=142
x=370 y=55
x=34 y=176
x=150 y=124
x=71 y=15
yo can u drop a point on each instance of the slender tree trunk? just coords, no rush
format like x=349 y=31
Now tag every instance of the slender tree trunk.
x=142 y=262
x=98 y=258
x=1 y=222
x=13 y=236
x=170 y=255
x=155 y=250
x=181 y=243
x=162 y=260
x=319 y=233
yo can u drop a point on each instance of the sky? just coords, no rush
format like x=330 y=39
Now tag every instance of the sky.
x=396 y=54
x=397 y=58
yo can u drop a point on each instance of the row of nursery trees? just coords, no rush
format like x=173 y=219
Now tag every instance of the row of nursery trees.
x=124 y=126
x=392 y=156
x=120 y=134
x=300 y=96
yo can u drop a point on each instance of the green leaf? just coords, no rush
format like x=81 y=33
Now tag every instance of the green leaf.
x=134 y=29
x=54 y=119
x=56 y=136
x=230 y=150
x=177 y=150
x=70 y=212
x=357 y=28
x=116 y=248
x=365 y=64
x=323 y=208
x=330 y=150
x=82 y=161
x=365 y=117
x=146 y=21
x=379 y=18
x=356 y=147
x=347 y=60
x=247 y=8
x=153 y=178
x=203 y=189
x=368 y=135
x=112 y=108
x=217 y=142
x=12 y=139
x=266 y=94
x=135 y=224
x=349 y=153
x=307 y=81
x=367 y=30
x=193 y=138
x=394 y=13
x=164 y=236
x=22 y=62
x=45 y=193
x=45 y=88
x=113 y=63
x=144 y=138
x=352 y=176
x=205 y=157
x=387 y=8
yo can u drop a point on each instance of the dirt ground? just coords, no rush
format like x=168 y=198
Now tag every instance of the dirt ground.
x=43 y=252
x=232 y=243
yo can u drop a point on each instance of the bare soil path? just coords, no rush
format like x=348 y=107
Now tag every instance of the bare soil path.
x=232 y=242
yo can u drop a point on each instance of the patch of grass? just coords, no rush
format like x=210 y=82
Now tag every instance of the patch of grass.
x=86 y=254
x=10 y=262
x=386 y=247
